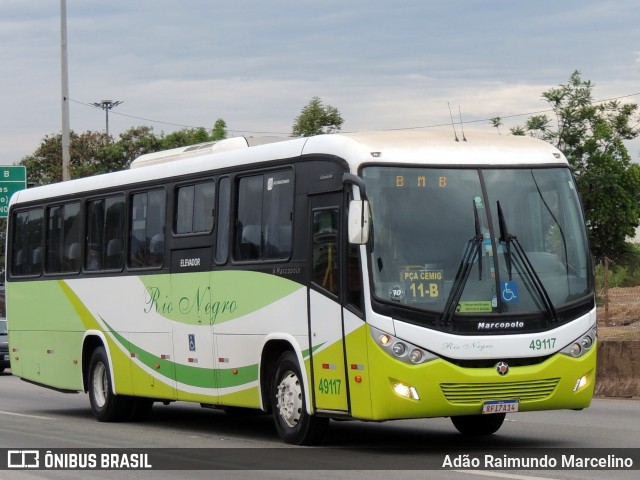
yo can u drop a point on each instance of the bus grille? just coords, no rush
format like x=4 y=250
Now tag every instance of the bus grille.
x=476 y=393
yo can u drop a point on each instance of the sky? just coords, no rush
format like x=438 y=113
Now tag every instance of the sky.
x=383 y=64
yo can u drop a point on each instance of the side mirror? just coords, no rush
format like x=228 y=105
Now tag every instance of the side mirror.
x=358 y=222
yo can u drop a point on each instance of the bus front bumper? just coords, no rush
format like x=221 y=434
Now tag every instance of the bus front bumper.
x=440 y=388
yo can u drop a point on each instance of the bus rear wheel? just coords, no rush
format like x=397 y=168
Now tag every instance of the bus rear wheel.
x=106 y=405
x=288 y=398
x=140 y=409
x=478 y=424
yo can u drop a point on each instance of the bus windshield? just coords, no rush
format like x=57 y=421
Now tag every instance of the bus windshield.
x=466 y=243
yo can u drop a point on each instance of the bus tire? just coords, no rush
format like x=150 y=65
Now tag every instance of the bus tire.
x=140 y=409
x=478 y=424
x=288 y=399
x=105 y=405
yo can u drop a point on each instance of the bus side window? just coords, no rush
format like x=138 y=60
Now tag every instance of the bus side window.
x=26 y=253
x=277 y=217
x=194 y=208
x=146 y=239
x=63 y=236
x=264 y=216
x=114 y=227
x=325 y=250
x=105 y=230
x=224 y=209
x=249 y=218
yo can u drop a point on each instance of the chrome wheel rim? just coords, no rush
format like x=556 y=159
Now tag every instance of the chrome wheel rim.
x=100 y=385
x=289 y=399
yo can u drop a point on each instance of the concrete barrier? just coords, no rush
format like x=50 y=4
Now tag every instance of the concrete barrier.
x=618 y=371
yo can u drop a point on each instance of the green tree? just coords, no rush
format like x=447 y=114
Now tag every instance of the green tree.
x=135 y=142
x=317 y=118
x=219 y=131
x=93 y=153
x=192 y=136
x=591 y=135
x=184 y=137
x=87 y=157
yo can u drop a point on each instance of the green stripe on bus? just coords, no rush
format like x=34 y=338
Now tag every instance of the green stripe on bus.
x=87 y=319
x=306 y=353
x=203 y=377
x=186 y=374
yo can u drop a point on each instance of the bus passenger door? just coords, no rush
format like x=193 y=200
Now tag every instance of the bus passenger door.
x=193 y=339
x=328 y=374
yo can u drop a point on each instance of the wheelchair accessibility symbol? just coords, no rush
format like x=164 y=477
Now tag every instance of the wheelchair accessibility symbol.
x=192 y=342
x=509 y=291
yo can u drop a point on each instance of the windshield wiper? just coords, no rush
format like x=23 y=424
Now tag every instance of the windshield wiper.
x=509 y=239
x=478 y=237
x=471 y=252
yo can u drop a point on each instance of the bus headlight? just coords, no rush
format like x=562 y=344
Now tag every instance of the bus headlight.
x=575 y=350
x=400 y=349
x=416 y=355
x=581 y=345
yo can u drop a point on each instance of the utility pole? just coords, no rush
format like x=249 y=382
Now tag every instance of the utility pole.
x=107 y=105
x=66 y=136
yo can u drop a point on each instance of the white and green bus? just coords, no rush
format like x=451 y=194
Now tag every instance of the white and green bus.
x=371 y=276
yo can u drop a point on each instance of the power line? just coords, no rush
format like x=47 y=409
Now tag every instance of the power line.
x=438 y=125
x=539 y=112
x=170 y=123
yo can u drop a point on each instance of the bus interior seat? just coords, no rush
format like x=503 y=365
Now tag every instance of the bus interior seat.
x=17 y=263
x=156 y=250
x=72 y=260
x=251 y=242
x=114 y=254
x=36 y=257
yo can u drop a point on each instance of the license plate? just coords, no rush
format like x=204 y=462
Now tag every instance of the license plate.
x=500 y=406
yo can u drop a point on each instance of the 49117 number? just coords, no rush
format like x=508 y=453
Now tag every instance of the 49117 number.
x=542 y=344
x=330 y=387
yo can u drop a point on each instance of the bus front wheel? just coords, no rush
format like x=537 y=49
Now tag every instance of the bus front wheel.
x=293 y=423
x=478 y=424
x=106 y=405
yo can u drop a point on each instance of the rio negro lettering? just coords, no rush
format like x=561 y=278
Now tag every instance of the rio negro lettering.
x=201 y=302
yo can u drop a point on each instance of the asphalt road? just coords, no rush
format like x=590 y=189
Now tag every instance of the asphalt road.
x=32 y=417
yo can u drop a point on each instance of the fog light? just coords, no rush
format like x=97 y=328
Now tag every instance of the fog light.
x=581 y=383
x=406 y=391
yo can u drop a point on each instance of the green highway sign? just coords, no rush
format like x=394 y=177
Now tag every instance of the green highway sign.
x=12 y=179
